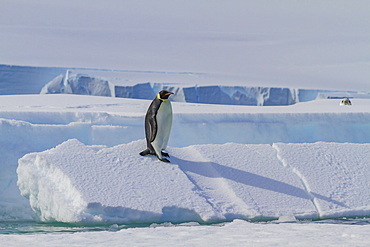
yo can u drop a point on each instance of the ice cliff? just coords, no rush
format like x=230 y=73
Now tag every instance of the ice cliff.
x=188 y=87
x=85 y=84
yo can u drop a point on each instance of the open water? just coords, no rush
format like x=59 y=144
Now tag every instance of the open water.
x=57 y=227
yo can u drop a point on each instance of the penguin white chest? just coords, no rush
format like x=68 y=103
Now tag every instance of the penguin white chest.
x=164 y=124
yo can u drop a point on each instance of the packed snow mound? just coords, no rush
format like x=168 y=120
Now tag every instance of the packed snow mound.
x=85 y=84
x=78 y=183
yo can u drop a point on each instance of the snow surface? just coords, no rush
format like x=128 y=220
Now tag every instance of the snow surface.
x=74 y=182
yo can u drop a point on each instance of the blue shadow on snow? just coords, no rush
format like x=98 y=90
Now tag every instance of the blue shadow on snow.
x=214 y=170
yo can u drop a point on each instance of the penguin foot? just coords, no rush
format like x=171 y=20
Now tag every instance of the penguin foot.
x=165 y=154
x=165 y=160
x=146 y=152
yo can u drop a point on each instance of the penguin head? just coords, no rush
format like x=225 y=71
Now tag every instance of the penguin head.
x=164 y=94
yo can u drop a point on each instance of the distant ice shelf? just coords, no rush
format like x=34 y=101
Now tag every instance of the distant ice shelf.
x=187 y=86
x=85 y=84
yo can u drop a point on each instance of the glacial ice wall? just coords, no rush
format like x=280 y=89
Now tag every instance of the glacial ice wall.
x=25 y=79
x=84 y=84
x=33 y=80
x=78 y=84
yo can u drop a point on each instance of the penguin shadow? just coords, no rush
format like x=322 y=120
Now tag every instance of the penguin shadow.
x=214 y=170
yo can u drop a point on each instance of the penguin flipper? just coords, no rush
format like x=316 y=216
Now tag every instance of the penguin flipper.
x=153 y=128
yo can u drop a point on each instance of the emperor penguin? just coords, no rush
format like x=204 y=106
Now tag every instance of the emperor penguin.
x=158 y=123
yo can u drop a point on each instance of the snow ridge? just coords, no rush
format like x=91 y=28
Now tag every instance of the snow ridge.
x=336 y=192
x=299 y=175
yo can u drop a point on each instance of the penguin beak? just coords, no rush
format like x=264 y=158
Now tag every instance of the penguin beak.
x=169 y=93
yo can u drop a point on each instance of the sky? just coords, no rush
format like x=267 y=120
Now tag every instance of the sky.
x=315 y=44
